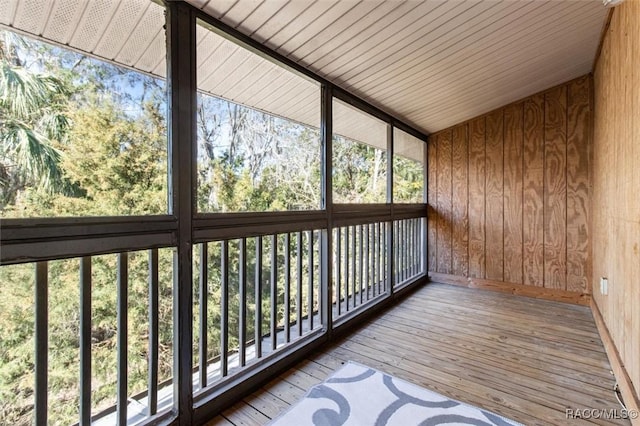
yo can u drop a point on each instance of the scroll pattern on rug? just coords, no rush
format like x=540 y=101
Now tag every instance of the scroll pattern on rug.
x=357 y=395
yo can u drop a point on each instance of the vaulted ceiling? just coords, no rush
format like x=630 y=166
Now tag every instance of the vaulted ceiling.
x=431 y=63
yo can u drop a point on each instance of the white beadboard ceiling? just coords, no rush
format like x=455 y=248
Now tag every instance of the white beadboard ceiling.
x=431 y=63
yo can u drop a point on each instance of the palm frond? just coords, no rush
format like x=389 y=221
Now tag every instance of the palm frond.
x=54 y=125
x=32 y=153
x=24 y=92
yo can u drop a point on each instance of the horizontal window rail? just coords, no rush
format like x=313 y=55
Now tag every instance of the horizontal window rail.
x=32 y=240
x=212 y=226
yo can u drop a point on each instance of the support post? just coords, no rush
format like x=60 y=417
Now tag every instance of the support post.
x=181 y=87
x=326 y=239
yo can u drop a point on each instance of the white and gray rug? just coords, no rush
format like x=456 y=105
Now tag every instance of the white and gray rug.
x=357 y=395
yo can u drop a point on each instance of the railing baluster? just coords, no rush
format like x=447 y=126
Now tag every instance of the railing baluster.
x=287 y=287
x=399 y=250
x=374 y=259
x=414 y=252
x=224 y=309
x=204 y=303
x=122 y=320
x=346 y=267
x=274 y=291
x=411 y=247
x=407 y=254
x=85 y=340
x=354 y=275
x=423 y=245
x=360 y=259
x=367 y=257
x=310 y=291
x=154 y=295
x=385 y=259
x=338 y=271
x=405 y=251
x=396 y=251
x=258 y=297
x=42 y=342
x=405 y=248
x=416 y=244
x=299 y=283
x=242 y=295
x=380 y=258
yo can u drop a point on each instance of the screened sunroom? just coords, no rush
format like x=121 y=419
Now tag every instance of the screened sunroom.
x=210 y=210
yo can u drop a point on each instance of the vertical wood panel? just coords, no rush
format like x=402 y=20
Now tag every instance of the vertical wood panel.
x=513 y=164
x=433 y=202
x=494 y=202
x=578 y=125
x=533 y=202
x=477 y=198
x=555 y=189
x=460 y=195
x=632 y=12
x=444 y=203
x=615 y=215
x=500 y=185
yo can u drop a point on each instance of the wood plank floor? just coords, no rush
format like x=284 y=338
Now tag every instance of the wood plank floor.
x=526 y=359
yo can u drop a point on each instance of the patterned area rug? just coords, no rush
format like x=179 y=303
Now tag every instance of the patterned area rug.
x=357 y=395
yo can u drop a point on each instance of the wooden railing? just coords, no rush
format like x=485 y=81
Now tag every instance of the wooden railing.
x=269 y=288
x=158 y=404
x=258 y=297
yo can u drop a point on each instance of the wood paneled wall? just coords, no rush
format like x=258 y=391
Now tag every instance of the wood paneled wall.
x=509 y=193
x=616 y=185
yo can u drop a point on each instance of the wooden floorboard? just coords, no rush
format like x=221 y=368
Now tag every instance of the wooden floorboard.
x=508 y=354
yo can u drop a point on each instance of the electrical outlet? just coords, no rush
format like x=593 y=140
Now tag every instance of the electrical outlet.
x=604 y=286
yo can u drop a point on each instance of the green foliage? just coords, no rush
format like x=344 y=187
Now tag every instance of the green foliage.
x=32 y=122
x=252 y=161
x=70 y=147
x=16 y=344
x=119 y=162
x=83 y=138
x=111 y=159
x=360 y=172
x=408 y=180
